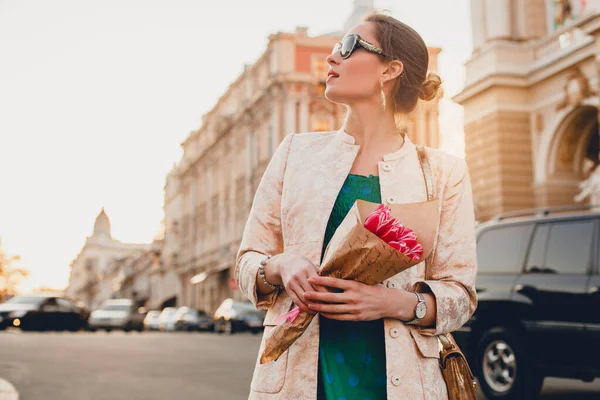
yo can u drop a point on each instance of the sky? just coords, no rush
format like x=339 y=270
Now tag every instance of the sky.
x=96 y=97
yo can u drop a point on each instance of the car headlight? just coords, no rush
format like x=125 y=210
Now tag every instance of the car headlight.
x=17 y=314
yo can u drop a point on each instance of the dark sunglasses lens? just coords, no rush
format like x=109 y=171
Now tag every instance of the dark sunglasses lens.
x=347 y=46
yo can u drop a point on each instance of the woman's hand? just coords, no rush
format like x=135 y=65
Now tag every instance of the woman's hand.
x=294 y=270
x=353 y=301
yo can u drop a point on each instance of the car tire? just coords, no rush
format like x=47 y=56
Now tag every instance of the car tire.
x=218 y=327
x=229 y=328
x=255 y=331
x=503 y=366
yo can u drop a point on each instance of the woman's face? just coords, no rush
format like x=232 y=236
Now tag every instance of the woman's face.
x=356 y=78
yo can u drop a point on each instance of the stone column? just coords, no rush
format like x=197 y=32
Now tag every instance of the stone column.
x=478 y=23
x=303 y=117
x=498 y=19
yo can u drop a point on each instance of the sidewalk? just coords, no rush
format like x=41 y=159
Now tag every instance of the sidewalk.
x=8 y=391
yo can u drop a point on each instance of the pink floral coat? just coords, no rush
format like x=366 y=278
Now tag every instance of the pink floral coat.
x=290 y=213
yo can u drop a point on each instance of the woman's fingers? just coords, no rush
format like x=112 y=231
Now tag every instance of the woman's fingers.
x=318 y=288
x=326 y=297
x=329 y=308
x=297 y=299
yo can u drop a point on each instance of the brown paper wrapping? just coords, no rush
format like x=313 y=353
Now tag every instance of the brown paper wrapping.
x=356 y=253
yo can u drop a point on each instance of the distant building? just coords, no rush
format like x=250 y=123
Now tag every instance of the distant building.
x=531 y=102
x=209 y=193
x=90 y=279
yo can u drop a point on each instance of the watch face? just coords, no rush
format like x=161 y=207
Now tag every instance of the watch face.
x=421 y=310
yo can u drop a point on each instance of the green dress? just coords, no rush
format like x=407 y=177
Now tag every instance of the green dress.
x=351 y=354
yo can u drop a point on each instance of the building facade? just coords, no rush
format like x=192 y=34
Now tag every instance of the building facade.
x=95 y=271
x=209 y=193
x=531 y=104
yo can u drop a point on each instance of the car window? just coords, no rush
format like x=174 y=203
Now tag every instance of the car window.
x=64 y=305
x=569 y=248
x=26 y=300
x=50 y=302
x=116 y=307
x=537 y=251
x=501 y=250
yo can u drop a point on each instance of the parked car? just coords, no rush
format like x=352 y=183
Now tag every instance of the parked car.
x=151 y=320
x=119 y=314
x=189 y=319
x=237 y=316
x=166 y=319
x=538 y=287
x=42 y=312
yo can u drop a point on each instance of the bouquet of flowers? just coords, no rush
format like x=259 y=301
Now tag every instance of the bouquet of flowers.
x=370 y=246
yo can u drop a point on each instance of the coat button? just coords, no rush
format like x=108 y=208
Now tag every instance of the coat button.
x=386 y=167
x=394 y=332
x=391 y=200
x=396 y=380
x=391 y=284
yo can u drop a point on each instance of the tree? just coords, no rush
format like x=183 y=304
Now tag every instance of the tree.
x=10 y=276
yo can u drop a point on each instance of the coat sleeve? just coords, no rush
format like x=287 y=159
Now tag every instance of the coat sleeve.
x=451 y=275
x=262 y=233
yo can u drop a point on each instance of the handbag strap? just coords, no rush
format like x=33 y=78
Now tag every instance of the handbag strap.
x=444 y=339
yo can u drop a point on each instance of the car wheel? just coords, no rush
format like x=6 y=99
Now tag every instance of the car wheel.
x=218 y=327
x=107 y=329
x=503 y=367
x=255 y=331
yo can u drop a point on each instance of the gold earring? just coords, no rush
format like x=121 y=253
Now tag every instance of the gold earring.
x=382 y=96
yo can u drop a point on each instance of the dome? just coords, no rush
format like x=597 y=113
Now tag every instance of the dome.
x=102 y=225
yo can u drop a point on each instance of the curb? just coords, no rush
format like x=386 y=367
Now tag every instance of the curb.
x=8 y=391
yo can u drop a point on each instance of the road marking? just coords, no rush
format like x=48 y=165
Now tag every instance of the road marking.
x=8 y=391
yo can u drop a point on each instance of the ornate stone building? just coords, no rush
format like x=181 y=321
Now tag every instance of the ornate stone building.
x=93 y=271
x=531 y=103
x=209 y=193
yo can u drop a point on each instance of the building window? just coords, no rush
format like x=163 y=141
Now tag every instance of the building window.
x=320 y=67
x=321 y=125
x=562 y=12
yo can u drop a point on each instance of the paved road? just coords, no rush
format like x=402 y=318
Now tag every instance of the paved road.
x=148 y=366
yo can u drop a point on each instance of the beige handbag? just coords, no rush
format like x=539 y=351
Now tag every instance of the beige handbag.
x=460 y=382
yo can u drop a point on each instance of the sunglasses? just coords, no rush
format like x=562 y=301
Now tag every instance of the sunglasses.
x=352 y=42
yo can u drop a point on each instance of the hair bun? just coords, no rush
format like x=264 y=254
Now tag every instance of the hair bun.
x=431 y=87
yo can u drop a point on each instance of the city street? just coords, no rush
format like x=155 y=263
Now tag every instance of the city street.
x=105 y=366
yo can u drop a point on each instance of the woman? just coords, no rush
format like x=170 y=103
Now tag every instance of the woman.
x=369 y=342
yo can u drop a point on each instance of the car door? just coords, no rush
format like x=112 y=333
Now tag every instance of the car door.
x=49 y=316
x=592 y=327
x=67 y=318
x=554 y=281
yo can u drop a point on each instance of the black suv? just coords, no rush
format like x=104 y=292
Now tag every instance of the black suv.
x=538 y=286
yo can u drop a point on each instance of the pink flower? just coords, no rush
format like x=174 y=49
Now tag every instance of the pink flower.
x=391 y=231
x=377 y=217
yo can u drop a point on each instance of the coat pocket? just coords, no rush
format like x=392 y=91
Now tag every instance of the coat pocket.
x=428 y=353
x=428 y=346
x=269 y=377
